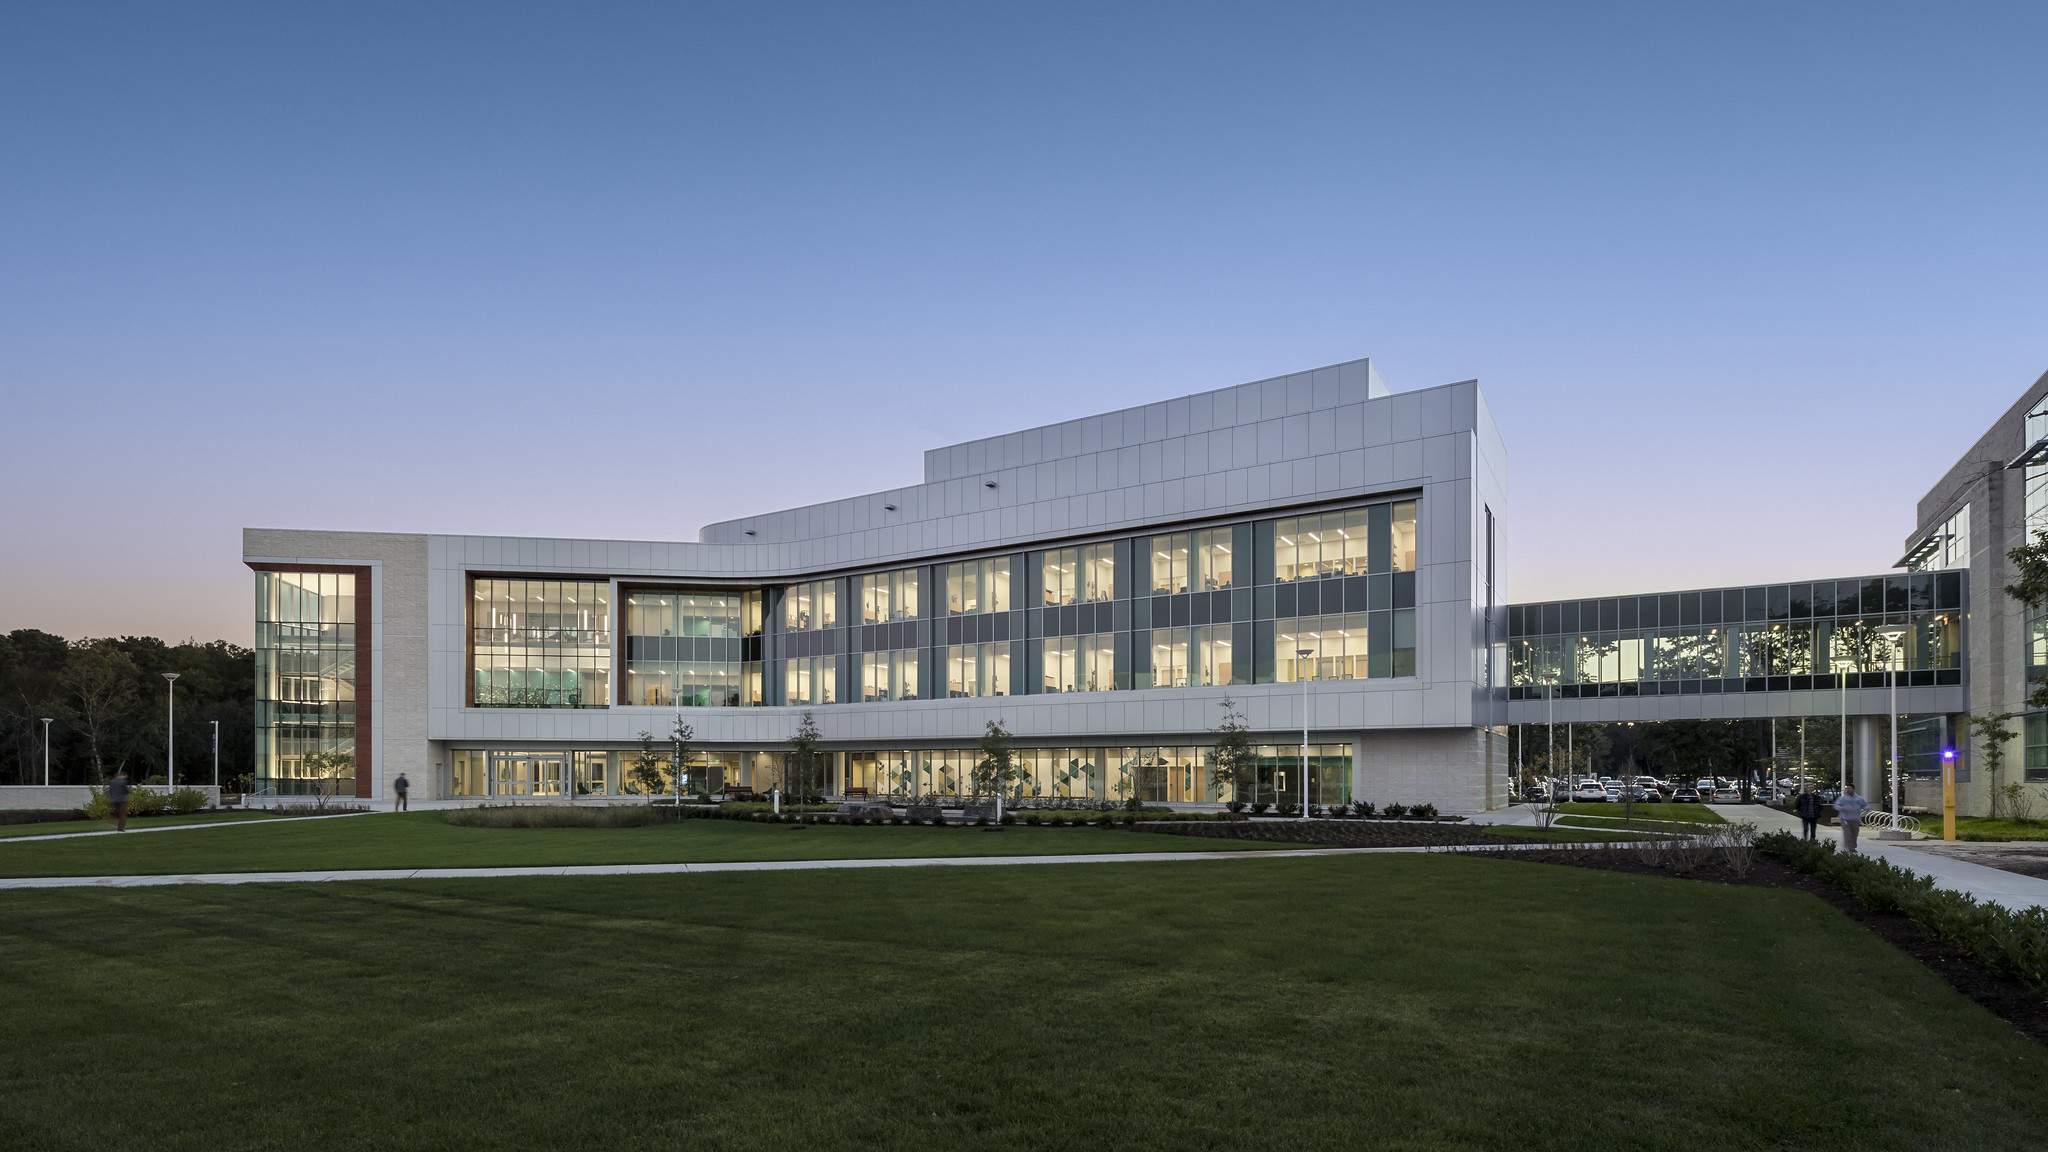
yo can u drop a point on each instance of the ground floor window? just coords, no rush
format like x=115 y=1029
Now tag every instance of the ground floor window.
x=2037 y=748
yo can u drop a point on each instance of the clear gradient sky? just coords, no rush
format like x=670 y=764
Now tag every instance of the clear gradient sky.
x=1740 y=280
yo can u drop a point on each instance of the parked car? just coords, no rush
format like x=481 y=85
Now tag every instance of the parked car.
x=1637 y=794
x=1727 y=795
x=1590 y=791
x=1706 y=785
x=1614 y=793
x=1536 y=794
x=1685 y=794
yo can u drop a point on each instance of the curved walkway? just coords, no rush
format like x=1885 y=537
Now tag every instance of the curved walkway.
x=1990 y=885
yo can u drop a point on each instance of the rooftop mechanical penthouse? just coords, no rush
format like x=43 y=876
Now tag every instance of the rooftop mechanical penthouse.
x=1099 y=586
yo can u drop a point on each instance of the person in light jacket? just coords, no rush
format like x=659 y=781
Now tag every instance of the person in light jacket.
x=1850 y=807
x=1807 y=805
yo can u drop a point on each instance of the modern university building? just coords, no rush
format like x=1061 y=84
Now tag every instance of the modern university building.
x=1314 y=547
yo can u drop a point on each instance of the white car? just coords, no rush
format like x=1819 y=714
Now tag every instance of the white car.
x=1727 y=795
x=1590 y=791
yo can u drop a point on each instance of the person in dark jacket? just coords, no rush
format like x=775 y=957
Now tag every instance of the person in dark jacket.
x=1807 y=804
x=117 y=798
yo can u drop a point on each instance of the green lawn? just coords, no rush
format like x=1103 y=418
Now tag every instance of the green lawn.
x=421 y=840
x=1985 y=828
x=135 y=823
x=1408 y=1002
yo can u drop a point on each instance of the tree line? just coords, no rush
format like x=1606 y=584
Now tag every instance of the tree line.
x=106 y=702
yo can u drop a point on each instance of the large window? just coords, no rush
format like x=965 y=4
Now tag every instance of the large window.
x=540 y=643
x=811 y=680
x=1192 y=657
x=1078 y=663
x=306 y=683
x=887 y=596
x=888 y=676
x=1379 y=538
x=977 y=670
x=808 y=607
x=1354 y=646
x=1078 y=575
x=978 y=586
x=683 y=648
x=1199 y=561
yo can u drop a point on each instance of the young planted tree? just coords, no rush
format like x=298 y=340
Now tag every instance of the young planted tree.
x=802 y=764
x=1232 y=763
x=679 y=759
x=1991 y=731
x=646 y=770
x=329 y=768
x=2030 y=588
x=996 y=767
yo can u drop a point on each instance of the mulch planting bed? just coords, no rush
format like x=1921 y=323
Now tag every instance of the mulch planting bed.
x=1329 y=833
x=2009 y=999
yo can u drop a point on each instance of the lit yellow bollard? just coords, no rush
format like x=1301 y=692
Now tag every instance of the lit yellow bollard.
x=1948 y=794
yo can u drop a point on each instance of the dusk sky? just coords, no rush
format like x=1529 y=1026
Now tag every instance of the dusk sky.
x=1740 y=281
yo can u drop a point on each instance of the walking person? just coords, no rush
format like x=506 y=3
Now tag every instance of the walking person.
x=117 y=797
x=399 y=788
x=1807 y=805
x=1850 y=808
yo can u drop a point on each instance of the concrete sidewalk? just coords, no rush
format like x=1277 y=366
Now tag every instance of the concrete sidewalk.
x=1991 y=885
x=46 y=837
x=706 y=868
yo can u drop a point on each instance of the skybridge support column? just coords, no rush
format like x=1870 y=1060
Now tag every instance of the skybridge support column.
x=1867 y=775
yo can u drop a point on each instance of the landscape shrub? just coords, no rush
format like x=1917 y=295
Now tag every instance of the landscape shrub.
x=1423 y=811
x=556 y=816
x=1259 y=809
x=97 y=806
x=186 y=801
x=2012 y=943
x=1395 y=811
x=1364 y=808
x=143 y=802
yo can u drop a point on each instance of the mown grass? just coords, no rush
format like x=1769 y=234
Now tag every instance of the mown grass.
x=1407 y=1002
x=135 y=823
x=426 y=840
x=1985 y=828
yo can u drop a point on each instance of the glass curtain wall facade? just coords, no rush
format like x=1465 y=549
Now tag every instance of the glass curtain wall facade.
x=1228 y=604
x=1775 y=638
x=540 y=643
x=584 y=773
x=1153 y=774
x=305 y=683
x=683 y=648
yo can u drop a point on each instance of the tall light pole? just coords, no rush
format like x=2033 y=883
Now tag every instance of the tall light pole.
x=1892 y=632
x=170 y=731
x=46 y=751
x=216 y=757
x=1304 y=653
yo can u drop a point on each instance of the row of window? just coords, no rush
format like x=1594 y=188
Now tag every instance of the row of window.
x=538 y=643
x=1153 y=774
x=1866 y=597
x=1926 y=641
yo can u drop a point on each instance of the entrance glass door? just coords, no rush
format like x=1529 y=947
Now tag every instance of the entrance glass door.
x=528 y=773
